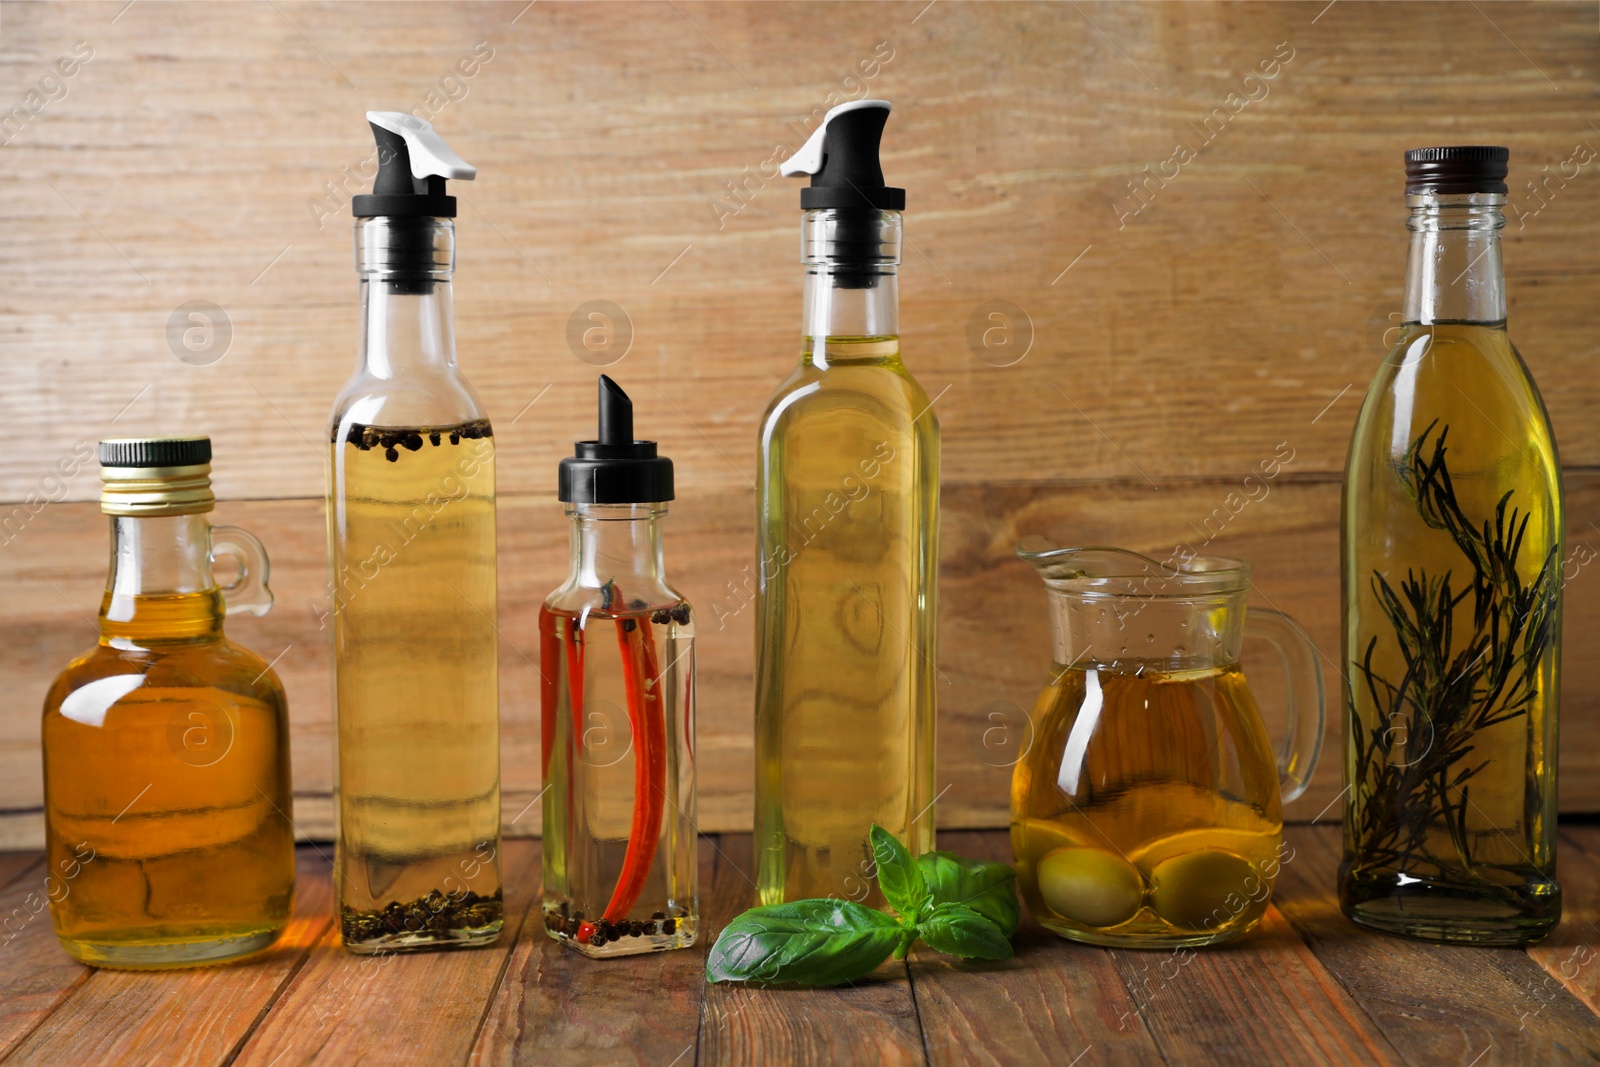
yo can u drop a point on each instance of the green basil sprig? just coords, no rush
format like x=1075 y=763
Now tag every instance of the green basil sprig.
x=962 y=907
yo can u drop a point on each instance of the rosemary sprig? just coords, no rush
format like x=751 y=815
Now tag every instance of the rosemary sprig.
x=1451 y=689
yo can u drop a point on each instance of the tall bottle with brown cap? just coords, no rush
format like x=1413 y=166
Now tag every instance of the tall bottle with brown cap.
x=848 y=520
x=1451 y=545
x=411 y=535
x=168 y=833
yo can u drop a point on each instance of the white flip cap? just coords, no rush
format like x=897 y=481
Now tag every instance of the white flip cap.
x=430 y=156
x=809 y=159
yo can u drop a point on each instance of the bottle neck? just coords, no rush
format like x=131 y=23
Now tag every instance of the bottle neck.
x=836 y=308
x=1453 y=269
x=407 y=317
x=160 y=585
x=619 y=545
x=852 y=290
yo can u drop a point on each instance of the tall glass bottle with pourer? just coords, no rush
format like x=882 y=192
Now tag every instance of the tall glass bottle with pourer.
x=1451 y=545
x=411 y=535
x=848 y=520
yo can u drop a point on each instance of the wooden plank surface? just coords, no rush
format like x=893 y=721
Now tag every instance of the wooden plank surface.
x=35 y=975
x=1570 y=956
x=174 y=1017
x=1306 y=987
x=393 y=1008
x=994 y=636
x=1242 y=309
x=1434 y=1003
x=873 y=1021
x=1056 y=1002
x=607 y=135
x=553 y=1009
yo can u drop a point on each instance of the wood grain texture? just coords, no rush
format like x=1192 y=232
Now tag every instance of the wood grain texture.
x=1308 y=987
x=187 y=1017
x=556 y=1008
x=622 y=150
x=35 y=975
x=1570 y=956
x=396 y=1008
x=994 y=640
x=606 y=135
x=873 y=1021
x=1054 y=1002
x=1434 y=1003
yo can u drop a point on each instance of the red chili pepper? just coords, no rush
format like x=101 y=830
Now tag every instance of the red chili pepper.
x=575 y=681
x=585 y=932
x=649 y=762
x=688 y=710
x=655 y=718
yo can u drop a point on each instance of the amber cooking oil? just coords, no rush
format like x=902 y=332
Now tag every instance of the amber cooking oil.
x=168 y=803
x=1157 y=791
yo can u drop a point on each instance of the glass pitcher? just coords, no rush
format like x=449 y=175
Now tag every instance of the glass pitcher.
x=1146 y=810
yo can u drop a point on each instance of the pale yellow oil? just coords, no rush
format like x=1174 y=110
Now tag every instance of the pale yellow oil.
x=1480 y=865
x=848 y=495
x=1145 y=811
x=413 y=610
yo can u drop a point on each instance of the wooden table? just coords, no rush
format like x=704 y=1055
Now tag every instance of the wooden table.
x=1307 y=987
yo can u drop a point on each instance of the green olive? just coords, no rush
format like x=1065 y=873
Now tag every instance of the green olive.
x=1090 y=886
x=1203 y=891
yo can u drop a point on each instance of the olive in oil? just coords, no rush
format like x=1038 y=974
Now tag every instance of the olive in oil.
x=1146 y=810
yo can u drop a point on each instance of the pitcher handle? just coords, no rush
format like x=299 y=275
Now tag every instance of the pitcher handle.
x=249 y=591
x=1302 y=671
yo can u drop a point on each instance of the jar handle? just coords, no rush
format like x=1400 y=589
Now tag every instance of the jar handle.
x=1302 y=743
x=249 y=591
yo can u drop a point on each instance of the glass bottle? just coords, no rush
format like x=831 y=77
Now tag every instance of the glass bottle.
x=616 y=655
x=166 y=746
x=847 y=495
x=411 y=534
x=1451 y=568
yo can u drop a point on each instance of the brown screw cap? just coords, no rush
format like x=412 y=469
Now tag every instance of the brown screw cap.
x=1457 y=169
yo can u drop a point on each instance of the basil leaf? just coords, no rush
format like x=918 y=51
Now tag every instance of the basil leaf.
x=804 y=942
x=959 y=931
x=987 y=888
x=898 y=874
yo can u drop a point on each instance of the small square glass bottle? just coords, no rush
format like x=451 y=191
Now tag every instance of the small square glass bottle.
x=617 y=665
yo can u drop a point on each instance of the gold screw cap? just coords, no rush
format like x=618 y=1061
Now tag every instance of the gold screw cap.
x=156 y=476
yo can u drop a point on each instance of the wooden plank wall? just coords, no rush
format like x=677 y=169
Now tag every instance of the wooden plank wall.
x=1170 y=341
